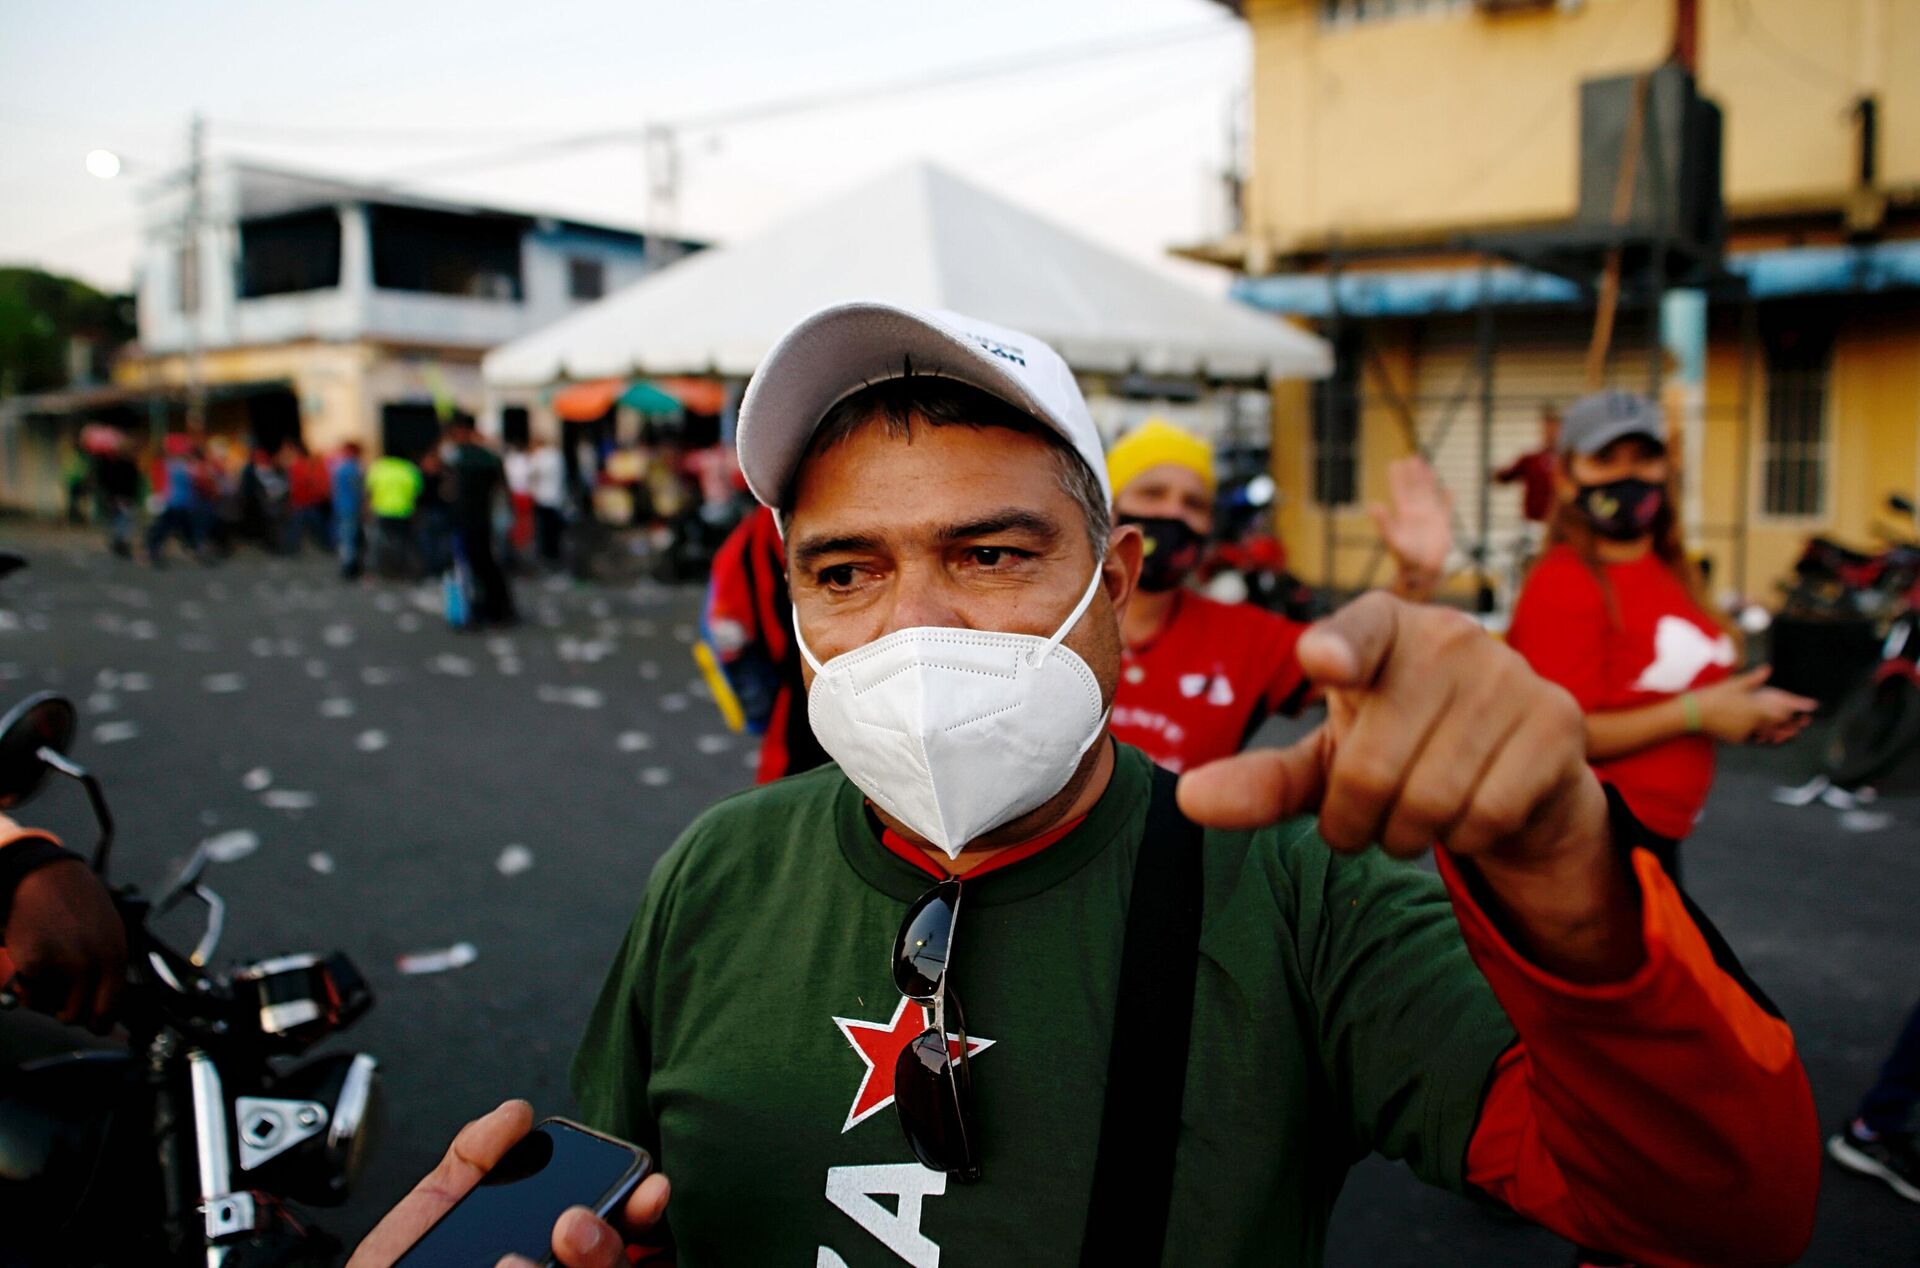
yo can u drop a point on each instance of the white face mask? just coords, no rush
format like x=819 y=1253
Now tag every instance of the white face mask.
x=955 y=732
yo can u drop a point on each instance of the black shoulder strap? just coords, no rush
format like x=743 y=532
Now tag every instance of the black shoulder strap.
x=1152 y=1022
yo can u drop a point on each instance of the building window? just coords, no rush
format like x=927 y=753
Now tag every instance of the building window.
x=1336 y=429
x=1793 y=469
x=586 y=277
x=186 y=277
x=1345 y=12
x=283 y=255
x=474 y=254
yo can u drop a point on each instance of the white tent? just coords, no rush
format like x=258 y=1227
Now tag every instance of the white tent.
x=921 y=236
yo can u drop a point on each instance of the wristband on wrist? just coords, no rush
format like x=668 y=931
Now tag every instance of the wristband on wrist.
x=1690 y=710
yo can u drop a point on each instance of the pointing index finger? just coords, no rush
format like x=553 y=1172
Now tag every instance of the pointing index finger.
x=1349 y=648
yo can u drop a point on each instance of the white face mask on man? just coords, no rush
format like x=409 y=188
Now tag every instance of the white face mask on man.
x=955 y=732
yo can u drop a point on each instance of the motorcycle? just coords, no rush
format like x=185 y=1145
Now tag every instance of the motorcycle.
x=189 y=1145
x=1879 y=721
x=1833 y=581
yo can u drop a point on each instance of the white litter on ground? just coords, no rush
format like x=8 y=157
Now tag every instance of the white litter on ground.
x=231 y=846
x=370 y=741
x=107 y=679
x=1845 y=799
x=457 y=956
x=451 y=665
x=291 y=647
x=514 y=860
x=656 y=776
x=259 y=779
x=633 y=741
x=336 y=707
x=673 y=702
x=288 y=799
x=262 y=647
x=136 y=682
x=752 y=761
x=406 y=622
x=321 y=862
x=114 y=732
x=508 y=665
x=712 y=745
x=142 y=630
x=500 y=645
x=683 y=633
x=339 y=634
x=1802 y=794
x=316 y=669
x=649 y=669
x=1866 y=820
x=374 y=676
x=102 y=702
x=578 y=697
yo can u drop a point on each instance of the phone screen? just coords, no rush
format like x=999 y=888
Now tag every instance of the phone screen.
x=515 y=1205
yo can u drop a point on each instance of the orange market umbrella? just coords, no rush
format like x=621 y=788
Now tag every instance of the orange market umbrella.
x=584 y=402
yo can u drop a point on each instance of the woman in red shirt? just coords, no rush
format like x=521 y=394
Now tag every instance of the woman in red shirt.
x=1613 y=612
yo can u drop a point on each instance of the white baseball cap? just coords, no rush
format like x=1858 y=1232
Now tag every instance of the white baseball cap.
x=840 y=349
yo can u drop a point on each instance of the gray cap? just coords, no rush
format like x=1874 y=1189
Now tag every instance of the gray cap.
x=1598 y=419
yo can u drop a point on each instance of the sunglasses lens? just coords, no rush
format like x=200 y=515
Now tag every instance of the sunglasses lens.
x=935 y=1098
x=920 y=953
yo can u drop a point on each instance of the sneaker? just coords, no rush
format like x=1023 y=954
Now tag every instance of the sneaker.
x=1891 y=1158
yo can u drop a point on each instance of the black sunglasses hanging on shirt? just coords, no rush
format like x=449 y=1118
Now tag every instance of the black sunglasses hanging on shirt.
x=932 y=1086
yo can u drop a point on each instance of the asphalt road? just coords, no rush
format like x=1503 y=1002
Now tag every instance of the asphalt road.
x=389 y=767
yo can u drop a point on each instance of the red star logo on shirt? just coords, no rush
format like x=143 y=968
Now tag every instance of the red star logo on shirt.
x=879 y=1045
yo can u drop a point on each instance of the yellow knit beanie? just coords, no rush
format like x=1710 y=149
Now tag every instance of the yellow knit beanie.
x=1155 y=443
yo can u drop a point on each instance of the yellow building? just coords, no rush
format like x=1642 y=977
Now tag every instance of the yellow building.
x=1414 y=162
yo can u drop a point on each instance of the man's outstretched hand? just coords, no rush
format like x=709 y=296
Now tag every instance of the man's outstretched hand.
x=580 y=1239
x=1437 y=732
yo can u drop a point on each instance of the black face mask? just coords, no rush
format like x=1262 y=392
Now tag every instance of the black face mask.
x=1173 y=551
x=1622 y=510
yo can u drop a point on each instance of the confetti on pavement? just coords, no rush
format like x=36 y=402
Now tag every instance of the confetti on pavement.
x=370 y=741
x=514 y=860
x=633 y=741
x=336 y=707
x=712 y=745
x=231 y=846
x=115 y=732
x=457 y=956
x=321 y=862
x=578 y=697
x=656 y=776
x=259 y=779
x=288 y=799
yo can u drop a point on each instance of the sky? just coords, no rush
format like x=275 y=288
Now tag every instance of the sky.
x=1124 y=142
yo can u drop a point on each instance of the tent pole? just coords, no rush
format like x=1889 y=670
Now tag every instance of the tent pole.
x=1329 y=413
x=1483 y=600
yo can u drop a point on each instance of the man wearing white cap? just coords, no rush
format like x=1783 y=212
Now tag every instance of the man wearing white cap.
x=1176 y=1038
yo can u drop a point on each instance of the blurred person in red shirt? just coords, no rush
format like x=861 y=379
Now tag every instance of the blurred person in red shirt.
x=1614 y=611
x=309 y=497
x=748 y=622
x=1198 y=676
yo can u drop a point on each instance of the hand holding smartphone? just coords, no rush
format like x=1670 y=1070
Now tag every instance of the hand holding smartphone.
x=513 y=1209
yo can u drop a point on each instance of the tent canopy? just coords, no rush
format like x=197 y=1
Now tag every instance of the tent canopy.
x=920 y=236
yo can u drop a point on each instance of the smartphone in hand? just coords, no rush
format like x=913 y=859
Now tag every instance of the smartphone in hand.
x=557 y=1165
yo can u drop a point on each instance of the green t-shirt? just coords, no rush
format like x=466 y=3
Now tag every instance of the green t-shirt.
x=747 y=1031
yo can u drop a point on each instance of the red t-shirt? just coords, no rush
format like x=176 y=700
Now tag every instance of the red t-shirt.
x=1197 y=689
x=1658 y=646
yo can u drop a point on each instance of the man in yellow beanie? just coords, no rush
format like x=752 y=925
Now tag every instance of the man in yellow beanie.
x=1199 y=676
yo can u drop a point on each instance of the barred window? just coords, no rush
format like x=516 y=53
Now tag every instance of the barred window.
x=1336 y=429
x=1793 y=447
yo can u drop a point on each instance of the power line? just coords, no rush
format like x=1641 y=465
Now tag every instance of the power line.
x=805 y=103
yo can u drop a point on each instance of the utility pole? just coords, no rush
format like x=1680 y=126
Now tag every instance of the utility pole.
x=663 y=195
x=192 y=273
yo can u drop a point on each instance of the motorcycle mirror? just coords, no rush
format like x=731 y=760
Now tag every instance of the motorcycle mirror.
x=42 y=723
x=187 y=881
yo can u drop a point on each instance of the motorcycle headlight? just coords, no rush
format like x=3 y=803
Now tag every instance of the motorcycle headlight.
x=303 y=998
x=310 y=1140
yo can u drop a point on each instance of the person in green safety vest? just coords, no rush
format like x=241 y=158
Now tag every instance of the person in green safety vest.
x=393 y=489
